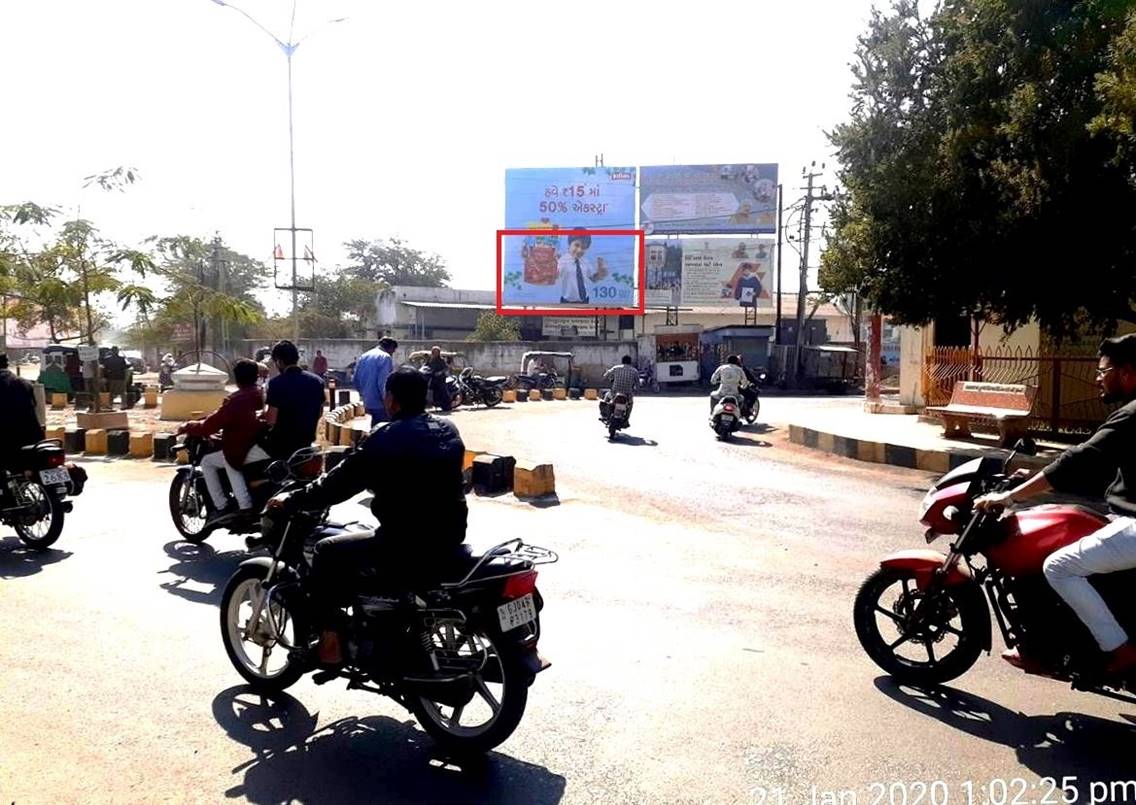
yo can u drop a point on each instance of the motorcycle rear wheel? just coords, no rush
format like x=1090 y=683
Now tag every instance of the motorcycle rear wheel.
x=491 y=397
x=501 y=692
x=45 y=530
x=961 y=614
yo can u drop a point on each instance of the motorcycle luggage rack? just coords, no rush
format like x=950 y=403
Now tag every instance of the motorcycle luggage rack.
x=532 y=554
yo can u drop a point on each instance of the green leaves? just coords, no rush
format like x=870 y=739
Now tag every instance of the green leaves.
x=394 y=262
x=491 y=327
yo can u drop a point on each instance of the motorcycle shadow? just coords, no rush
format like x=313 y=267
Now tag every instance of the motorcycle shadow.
x=17 y=560
x=634 y=441
x=370 y=759
x=1060 y=745
x=203 y=566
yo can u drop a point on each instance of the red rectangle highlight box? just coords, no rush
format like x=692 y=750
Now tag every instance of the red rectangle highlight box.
x=573 y=311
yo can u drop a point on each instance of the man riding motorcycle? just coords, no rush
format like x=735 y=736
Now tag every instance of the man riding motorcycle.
x=730 y=380
x=624 y=380
x=21 y=422
x=237 y=421
x=1112 y=450
x=750 y=391
x=295 y=403
x=413 y=465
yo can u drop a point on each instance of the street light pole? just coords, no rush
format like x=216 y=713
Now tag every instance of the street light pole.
x=289 y=49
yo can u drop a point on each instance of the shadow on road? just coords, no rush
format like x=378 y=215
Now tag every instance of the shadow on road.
x=1060 y=745
x=17 y=560
x=743 y=440
x=761 y=428
x=371 y=759
x=202 y=565
x=633 y=441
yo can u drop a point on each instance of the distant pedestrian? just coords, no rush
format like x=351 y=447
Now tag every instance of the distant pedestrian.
x=371 y=373
x=319 y=365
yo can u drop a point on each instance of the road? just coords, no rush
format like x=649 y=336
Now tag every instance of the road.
x=698 y=624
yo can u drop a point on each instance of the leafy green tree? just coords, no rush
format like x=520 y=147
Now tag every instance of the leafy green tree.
x=987 y=165
x=491 y=327
x=342 y=306
x=394 y=262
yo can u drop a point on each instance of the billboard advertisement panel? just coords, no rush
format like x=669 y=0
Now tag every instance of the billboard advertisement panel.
x=708 y=199
x=553 y=270
x=705 y=272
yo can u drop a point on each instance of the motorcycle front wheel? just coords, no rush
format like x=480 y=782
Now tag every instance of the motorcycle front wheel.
x=481 y=721
x=43 y=523
x=188 y=508
x=943 y=645
x=252 y=627
x=491 y=397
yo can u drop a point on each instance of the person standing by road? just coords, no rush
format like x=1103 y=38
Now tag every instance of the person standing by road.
x=319 y=365
x=114 y=370
x=371 y=373
x=439 y=369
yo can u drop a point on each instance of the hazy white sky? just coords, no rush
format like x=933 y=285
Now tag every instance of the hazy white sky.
x=407 y=114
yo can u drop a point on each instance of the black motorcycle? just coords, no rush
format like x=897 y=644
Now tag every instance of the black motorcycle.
x=191 y=506
x=616 y=414
x=33 y=499
x=457 y=646
x=542 y=381
x=453 y=388
x=477 y=389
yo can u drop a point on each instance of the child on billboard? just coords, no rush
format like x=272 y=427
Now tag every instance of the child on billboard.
x=575 y=272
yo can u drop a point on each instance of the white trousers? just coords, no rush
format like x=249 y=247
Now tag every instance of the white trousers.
x=214 y=463
x=1108 y=550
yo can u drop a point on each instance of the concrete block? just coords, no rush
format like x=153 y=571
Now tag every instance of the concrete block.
x=163 y=443
x=575 y=394
x=118 y=442
x=522 y=397
x=150 y=397
x=489 y=474
x=141 y=445
x=74 y=440
x=107 y=420
x=534 y=395
x=796 y=434
x=182 y=405
x=58 y=401
x=346 y=436
x=360 y=409
x=104 y=399
x=343 y=396
x=96 y=442
x=59 y=433
x=591 y=394
x=559 y=394
x=871 y=451
x=509 y=395
x=826 y=442
x=532 y=480
x=933 y=461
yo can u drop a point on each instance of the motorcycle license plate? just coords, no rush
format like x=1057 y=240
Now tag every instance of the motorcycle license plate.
x=58 y=477
x=517 y=612
x=727 y=418
x=620 y=409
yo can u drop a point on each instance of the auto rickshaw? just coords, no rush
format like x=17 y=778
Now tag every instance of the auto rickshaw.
x=536 y=377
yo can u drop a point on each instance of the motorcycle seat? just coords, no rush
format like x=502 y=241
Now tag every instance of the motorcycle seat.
x=496 y=379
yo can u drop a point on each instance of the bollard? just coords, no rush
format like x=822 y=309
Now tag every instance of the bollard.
x=535 y=395
x=559 y=394
x=96 y=442
x=59 y=433
x=489 y=474
x=575 y=394
x=118 y=442
x=522 y=397
x=150 y=396
x=532 y=480
x=58 y=401
x=141 y=445
x=591 y=394
x=509 y=395
x=470 y=455
x=74 y=440
x=163 y=443
x=346 y=436
x=344 y=396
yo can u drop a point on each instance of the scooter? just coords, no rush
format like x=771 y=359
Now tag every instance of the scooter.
x=726 y=418
x=924 y=615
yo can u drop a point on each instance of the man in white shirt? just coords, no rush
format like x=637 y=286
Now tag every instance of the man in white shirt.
x=576 y=275
x=730 y=378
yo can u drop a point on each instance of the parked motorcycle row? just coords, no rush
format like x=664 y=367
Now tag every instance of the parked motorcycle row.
x=467 y=388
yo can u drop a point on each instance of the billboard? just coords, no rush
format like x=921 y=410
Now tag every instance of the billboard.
x=553 y=270
x=705 y=272
x=708 y=199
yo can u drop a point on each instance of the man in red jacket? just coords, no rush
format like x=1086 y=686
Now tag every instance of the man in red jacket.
x=237 y=420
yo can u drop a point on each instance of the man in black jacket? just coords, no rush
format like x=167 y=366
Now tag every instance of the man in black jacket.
x=21 y=422
x=413 y=465
x=1112 y=450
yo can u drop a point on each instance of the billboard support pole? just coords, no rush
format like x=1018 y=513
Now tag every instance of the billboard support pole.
x=780 y=198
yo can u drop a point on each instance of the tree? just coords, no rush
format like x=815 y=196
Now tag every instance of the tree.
x=987 y=150
x=491 y=327
x=393 y=262
x=342 y=307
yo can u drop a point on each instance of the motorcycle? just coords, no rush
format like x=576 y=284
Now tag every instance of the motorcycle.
x=191 y=506
x=726 y=417
x=477 y=389
x=458 y=649
x=616 y=414
x=542 y=381
x=924 y=616
x=751 y=402
x=453 y=388
x=34 y=491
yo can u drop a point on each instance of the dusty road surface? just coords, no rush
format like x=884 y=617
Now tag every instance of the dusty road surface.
x=698 y=624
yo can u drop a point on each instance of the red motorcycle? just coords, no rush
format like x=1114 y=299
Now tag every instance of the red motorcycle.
x=924 y=616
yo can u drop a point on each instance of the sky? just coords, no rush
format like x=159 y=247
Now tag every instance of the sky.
x=406 y=114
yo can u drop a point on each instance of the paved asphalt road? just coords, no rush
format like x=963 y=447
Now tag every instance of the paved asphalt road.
x=698 y=623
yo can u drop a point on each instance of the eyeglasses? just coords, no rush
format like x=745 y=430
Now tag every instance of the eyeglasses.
x=1105 y=371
